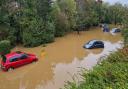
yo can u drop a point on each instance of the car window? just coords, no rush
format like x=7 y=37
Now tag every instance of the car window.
x=95 y=43
x=98 y=42
x=23 y=56
x=91 y=42
x=113 y=30
x=13 y=59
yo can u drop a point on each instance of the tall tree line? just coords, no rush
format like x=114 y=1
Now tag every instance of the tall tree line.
x=34 y=22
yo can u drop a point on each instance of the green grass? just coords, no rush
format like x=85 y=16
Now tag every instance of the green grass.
x=125 y=35
x=111 y=73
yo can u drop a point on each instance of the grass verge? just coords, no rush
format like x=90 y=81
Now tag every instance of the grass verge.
x=112 y=73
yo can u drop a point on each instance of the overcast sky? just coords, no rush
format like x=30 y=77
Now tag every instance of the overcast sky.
x=114 y=1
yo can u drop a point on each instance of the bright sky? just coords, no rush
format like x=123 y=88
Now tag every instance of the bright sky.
x=114 y=1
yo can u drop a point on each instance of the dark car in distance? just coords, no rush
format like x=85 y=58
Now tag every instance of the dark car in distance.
x=115 y=30
x=94 y=44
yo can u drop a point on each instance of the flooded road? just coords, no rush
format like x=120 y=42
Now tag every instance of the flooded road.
x=59 y=61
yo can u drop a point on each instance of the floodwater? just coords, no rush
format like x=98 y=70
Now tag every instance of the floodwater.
x=60 y=61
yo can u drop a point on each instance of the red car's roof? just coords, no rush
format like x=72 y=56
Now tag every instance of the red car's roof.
x=13 y=54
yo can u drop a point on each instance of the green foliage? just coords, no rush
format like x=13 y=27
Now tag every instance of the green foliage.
x=7 y=33
x=63 y=13
x=33 y=22
x=27 y=24
x=125 y=35
x=111 y=73
x=117 y=13
x=68 y=8
x=125 y=17
x=73 y=85
x=44 y=9
x=35 y=33
x=61 y=23
x=32 y=32
x=50 y=32
x=3 y=32
x=5 y=47
x=12 y=36
x=87 y=14
x=37 y=28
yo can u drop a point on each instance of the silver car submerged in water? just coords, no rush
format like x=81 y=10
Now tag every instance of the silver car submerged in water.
x=94 y=44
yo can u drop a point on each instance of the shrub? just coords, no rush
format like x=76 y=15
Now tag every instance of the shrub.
x=125 y=35
x=4 y=31
x=61 y=25
x=5 y=47
x=36 y=32
x=33 y=32
x=12 y=36
x=111 y=73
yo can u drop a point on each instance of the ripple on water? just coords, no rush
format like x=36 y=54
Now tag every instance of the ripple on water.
x=59 y=61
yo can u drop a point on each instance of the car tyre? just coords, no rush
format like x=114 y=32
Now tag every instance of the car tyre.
x=34 y=61
x=10 y=69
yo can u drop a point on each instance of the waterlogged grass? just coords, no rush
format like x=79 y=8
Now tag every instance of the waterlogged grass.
x=111 y=73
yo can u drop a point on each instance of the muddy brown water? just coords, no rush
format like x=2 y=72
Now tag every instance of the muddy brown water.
x=59 y=61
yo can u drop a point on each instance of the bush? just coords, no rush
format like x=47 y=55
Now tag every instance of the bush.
x=107 y=76
x=111 y=73
x=8 y=33
x=33 y=32
x=125 y=35
x=4 y=31
x=12 y=36
x=36 y=32
x=61 y=25
x=50 y=31
x=5 y=47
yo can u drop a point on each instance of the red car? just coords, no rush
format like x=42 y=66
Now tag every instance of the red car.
x=16 y=59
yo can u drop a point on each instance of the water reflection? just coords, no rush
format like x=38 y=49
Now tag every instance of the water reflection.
x=60 y=61
x=72 y=69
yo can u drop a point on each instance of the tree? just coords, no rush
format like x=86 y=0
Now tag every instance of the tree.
x=33 y=22
x=44 y=9
x=86 y=13
x=60 y=20
x=68 y=8
x=5 y=47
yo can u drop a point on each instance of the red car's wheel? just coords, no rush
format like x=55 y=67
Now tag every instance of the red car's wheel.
x=34 y=61
x=10 y=69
